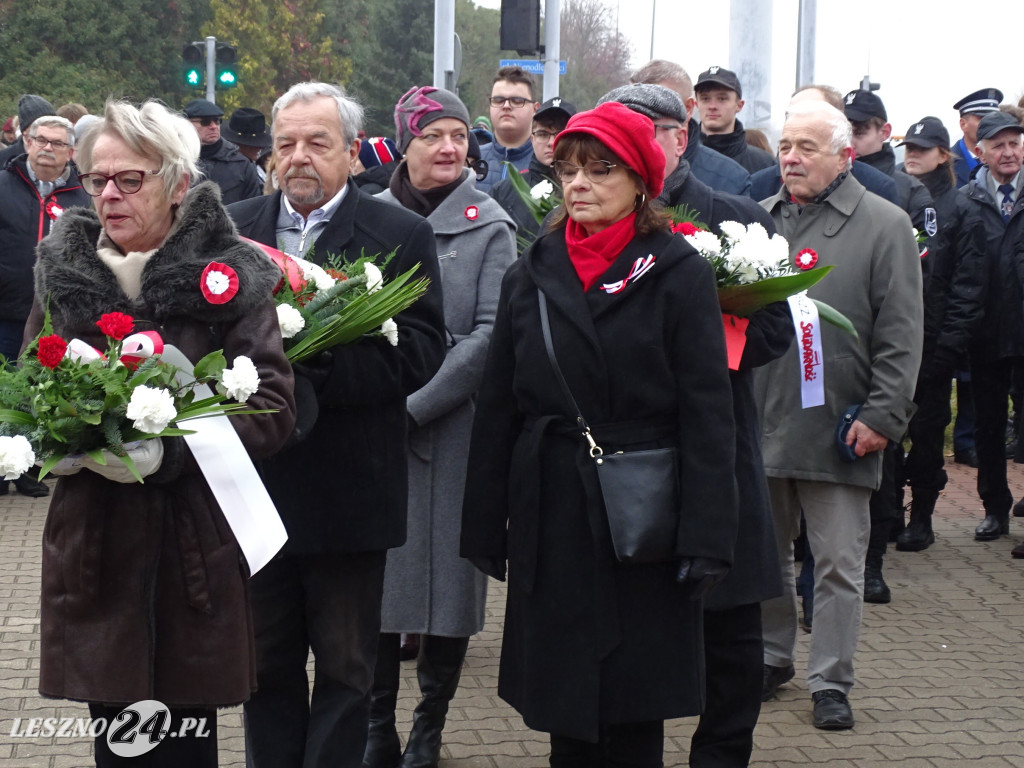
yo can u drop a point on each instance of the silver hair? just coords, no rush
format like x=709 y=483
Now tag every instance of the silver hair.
x=350 y=113
x=983 y=143
x=660 y=71
x=53 y=121
x=151 y=129
x=842 y=131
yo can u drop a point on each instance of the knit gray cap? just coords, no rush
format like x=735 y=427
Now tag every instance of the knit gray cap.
x=31 y=108
x=421 y=106
x=654 y=101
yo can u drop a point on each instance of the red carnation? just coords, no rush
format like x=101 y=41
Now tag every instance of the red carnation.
x=685 y=228
x=51 y=350
x=116 y=325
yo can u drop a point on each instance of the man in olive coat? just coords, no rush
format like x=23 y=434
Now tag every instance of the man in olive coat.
x=829 y=219
x=342 y=491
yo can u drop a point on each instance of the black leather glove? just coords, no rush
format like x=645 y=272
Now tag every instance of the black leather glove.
x=492 y=566
x=307 y=408
x=700 y=574
x=317 y=369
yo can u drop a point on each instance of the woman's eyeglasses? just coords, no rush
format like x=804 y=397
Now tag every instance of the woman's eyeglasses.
x=596 y=170
x=129 y=182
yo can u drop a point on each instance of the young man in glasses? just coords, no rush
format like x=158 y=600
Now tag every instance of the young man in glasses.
x=548 y=121
x=35 y=188
x=512 y=109
x=219 y=159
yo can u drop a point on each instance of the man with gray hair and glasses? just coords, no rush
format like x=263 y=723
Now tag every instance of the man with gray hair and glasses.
x=340 y=486
x=35 y=188
x=829 y=378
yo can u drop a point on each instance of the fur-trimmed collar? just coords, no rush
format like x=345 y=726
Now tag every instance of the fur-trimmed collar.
x=78 y=287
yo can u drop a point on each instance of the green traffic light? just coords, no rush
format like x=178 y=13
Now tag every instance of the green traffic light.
x=192 y=77
x=227 y=79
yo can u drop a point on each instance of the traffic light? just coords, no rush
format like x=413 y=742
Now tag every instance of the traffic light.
x=227 y=66
x=193 y=56
x=520 y=26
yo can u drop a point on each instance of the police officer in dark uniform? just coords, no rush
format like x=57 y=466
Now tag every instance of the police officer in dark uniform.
x=219 y=159
x=871 y=132
x=972 y=108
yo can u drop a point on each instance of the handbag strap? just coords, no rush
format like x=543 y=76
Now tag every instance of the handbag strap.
x=545 y=327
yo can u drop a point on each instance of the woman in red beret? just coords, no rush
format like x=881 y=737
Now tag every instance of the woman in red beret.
x=599 y=652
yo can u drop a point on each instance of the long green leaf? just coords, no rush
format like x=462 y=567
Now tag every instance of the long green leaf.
x=831 y=315
x=17 y=417
x=743 y=300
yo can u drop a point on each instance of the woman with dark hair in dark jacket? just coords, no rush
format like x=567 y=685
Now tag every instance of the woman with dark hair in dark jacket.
x=954 y=296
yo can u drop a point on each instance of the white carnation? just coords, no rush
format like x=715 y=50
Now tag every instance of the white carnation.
x=316 y=274
x=241 y=380
x=707 y=243
x=16 y=456
x=779 y=249
x=390 y=330
x=374 y=279
x=290 y=320
x=151 y=409
x=757 y=232
x=542 y=190
x=732 y=230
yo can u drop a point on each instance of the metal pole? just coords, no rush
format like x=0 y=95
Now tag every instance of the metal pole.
x=750 y=57
x=805 y=40
x=444 y=44
x=211 y=69
x=552 y=43
x=654 y=14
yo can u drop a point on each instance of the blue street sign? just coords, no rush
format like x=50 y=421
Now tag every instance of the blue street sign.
x=532 y=66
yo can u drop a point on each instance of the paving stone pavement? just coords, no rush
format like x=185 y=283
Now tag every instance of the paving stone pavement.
x=940 y=670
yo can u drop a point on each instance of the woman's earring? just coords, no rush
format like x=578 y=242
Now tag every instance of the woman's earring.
x=640 y=200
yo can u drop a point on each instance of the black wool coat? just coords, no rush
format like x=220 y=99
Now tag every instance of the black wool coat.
x=144 y=589
x=589 y=640
x=345 y=487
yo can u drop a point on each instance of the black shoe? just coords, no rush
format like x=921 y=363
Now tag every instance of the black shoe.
x=1018 y=509
x=3 y=487
x=916 y=537
x=991 y=528
x=832 y=710
x=1018 y=551
x=968 y=457
x=29 y=486
x=774 y=677
x=875 y=588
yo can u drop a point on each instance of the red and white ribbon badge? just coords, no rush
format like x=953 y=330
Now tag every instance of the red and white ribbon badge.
x=472 y=212
x=808 y=343
x=806 y=259
x=219 y=283
x=53 y=210
x=640 y=268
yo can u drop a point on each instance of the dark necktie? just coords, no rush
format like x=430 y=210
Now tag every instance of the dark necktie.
x=1006 y=204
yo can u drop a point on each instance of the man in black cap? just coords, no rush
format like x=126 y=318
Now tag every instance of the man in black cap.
x=972 y=108
x=548 y=122
x=219 y=160
x=30 y=108
x=995 y=192
x=720 y=99
x=871 y=132
x=248 y=129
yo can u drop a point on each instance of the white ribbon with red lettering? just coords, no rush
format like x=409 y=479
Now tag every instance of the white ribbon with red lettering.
x=807 y=325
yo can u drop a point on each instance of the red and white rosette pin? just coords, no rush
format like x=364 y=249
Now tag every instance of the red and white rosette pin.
x=53 y=210
x=219 y=283
x=472 y=212
x=807 y=258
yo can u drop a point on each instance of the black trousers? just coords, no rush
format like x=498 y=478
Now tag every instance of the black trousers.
x=886 y=503
x=621 y=745
x=924 y=464
x=329 y=603
x=734 y=664
x=991 y=387
x=190 y=750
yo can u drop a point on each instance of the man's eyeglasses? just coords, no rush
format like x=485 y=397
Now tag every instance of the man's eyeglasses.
x=206 y=122
x=129 y=182
x=596 y=170
x=541 y=135
x=41 y=142
x=665 y=127
x=517 y=102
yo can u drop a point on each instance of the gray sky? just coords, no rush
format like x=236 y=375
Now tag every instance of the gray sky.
x=926 y=55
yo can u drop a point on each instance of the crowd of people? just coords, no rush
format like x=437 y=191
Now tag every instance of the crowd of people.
x=407 y=474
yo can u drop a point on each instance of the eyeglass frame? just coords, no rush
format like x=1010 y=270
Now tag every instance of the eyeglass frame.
x=206 y=122
x=665 y=127
x=83 y=179
x=55 y=143
x=548 y=135
x=500 y=101
x=559 y=164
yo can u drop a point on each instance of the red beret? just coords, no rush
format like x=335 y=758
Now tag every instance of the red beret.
x=9 y=125
x=629 y=135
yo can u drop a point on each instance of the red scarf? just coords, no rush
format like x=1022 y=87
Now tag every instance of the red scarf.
x=591 y=256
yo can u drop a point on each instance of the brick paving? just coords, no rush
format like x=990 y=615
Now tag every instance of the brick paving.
x=940 y=670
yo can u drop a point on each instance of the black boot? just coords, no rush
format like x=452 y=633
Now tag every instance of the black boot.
x=992 y=527
x=29 y=485
x=383 y=748
x=918 y=535
x=875 y=588
x=439 y=668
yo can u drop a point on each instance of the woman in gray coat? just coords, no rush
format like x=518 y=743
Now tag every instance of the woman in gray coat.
x=428 y=588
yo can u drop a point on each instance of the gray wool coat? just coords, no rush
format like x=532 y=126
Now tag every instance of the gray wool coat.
x=428 y=588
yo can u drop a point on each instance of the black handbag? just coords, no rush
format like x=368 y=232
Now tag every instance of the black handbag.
x=640 y=489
